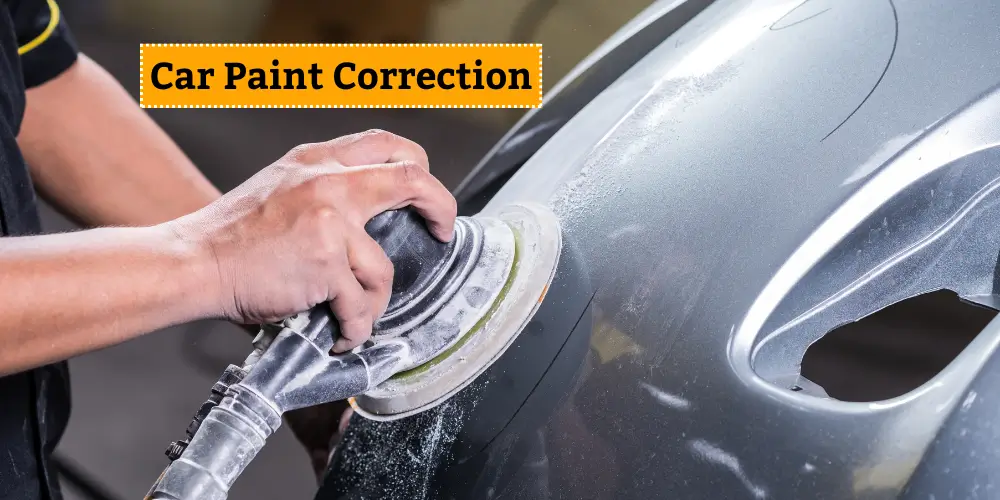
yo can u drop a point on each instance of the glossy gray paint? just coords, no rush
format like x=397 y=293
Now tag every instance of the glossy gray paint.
x=565 y=99
x=771 y=170
x=961 y=463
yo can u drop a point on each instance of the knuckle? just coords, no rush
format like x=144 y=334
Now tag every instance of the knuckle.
x=411 y=173
x=377 y=133
x=384 y=138
x=359 y=315
x=325 y=215
x=364 y=312
x=280 y=168
x=421 y=152
x=385 y=272
x=298 y=152
x=316 y=293
x=306 y=154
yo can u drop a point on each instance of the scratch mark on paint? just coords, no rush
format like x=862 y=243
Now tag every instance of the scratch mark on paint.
x=670 y=400
x=13 y=464
x=716 y=455
x=892 y=53
x=800 y=21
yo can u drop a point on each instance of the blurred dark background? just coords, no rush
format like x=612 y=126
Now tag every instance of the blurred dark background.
x=130 y=401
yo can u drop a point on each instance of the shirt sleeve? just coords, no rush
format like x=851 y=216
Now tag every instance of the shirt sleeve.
x=44 y=42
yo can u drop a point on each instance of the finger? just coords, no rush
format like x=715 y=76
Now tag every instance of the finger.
x=377 y=188
x=372 y=268
x=373 y=147
x=349 y=304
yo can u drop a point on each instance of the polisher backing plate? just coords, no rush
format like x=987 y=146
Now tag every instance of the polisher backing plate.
x=538 y=242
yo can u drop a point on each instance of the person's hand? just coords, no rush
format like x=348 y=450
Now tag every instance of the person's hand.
x=292 y=236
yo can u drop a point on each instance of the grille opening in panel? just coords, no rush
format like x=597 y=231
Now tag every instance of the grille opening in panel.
x=895 y=350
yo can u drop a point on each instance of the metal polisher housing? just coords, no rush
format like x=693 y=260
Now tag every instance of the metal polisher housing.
x=521 y=247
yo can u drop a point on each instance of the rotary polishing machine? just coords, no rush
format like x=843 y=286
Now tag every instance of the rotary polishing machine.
x=454 y=309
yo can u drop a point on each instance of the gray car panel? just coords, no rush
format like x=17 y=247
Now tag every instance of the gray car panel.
x=771 y=170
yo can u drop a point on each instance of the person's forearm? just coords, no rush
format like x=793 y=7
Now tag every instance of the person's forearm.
x=66 y=294
x=100 y=159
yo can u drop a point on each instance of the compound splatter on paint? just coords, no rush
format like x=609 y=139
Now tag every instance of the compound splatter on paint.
x=398 y=460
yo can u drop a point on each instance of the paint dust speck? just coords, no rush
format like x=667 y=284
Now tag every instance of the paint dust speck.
x=399 y=459
x=967 y=403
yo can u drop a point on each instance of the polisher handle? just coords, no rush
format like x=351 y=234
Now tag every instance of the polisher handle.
x=414 y=252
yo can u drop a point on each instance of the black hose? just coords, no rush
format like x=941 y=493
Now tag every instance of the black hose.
x=81 y=482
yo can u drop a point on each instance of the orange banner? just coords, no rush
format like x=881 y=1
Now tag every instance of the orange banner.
x=447 y=75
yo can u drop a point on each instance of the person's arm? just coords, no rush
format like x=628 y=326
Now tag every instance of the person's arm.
x=288 y=239
x=100 y=159
x=92 y=151
x=66 y=294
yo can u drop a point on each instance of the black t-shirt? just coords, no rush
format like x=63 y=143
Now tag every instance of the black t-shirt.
x=35 y=46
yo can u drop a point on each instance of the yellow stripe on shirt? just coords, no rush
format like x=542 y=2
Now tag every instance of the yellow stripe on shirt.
x=40 y=39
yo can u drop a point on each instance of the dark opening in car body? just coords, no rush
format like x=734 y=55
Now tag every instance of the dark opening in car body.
x=734 y=180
